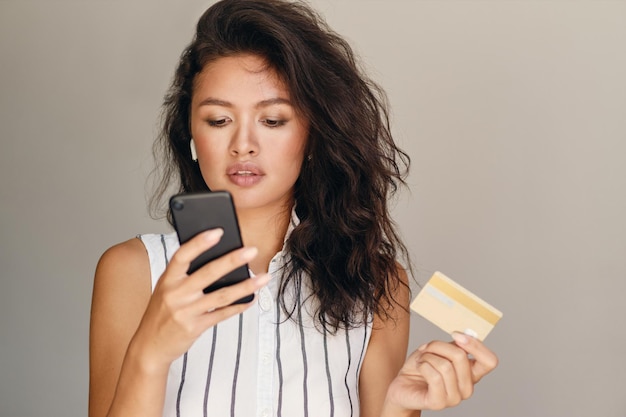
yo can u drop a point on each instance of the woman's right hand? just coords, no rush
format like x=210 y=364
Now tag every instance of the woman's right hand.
x=179 y=311
x=136 y=333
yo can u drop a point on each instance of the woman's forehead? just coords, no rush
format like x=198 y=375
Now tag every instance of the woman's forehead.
x=243 y=70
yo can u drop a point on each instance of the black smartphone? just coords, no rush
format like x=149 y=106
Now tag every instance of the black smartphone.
x=197 y=212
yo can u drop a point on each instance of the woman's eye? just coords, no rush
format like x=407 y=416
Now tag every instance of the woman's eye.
x=218 y=123
x=274 y=122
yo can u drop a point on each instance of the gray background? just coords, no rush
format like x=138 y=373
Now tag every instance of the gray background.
x=512 y=111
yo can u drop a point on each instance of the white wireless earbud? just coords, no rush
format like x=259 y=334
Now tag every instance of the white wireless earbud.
x=194 y=153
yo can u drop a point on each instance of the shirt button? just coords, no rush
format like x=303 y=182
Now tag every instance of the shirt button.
x=265 y=413
x=265 y=301
x=267 y=358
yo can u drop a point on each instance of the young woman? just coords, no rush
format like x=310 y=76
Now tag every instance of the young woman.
x=268 y=103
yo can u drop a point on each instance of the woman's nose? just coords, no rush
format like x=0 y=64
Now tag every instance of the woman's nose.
x=244 y=141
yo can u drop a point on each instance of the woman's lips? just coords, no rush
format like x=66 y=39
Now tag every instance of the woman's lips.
x=244 y=174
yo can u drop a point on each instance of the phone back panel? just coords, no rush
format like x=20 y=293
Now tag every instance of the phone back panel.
x=198 y=212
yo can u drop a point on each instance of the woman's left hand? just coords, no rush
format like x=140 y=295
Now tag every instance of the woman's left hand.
x=439 y=375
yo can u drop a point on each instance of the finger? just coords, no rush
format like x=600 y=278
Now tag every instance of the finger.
x=192 y=325
x=179 y=264
x=459 y=359
x=436 y=396
x=210 y=319
x=484 y=361
x=226 y=296
x=446 y=370
x=219 y=267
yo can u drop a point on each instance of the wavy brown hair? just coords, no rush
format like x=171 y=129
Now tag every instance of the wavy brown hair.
x=346 y=240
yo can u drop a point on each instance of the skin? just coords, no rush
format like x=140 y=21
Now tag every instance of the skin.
x=250 y=141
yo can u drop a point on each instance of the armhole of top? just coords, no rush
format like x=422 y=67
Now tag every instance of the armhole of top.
x=158 y=254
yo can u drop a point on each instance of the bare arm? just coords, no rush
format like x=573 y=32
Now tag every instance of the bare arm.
x=120 y=295
x=135 y=336
x=385 y=355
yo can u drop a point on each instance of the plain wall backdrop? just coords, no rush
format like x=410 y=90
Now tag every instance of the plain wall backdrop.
x=514 y=114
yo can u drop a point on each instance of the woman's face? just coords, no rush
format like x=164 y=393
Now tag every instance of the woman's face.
x=249 y=139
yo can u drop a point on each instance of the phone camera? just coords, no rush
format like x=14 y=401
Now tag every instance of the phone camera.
x=178 y=205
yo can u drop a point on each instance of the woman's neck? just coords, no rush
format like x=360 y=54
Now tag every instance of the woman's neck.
x=265 y=229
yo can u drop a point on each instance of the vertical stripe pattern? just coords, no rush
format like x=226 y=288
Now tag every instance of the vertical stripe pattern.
x=165 y=256
x=363 y=347
x=234 y=369
x=210 y=371
x=236 y=374
x=329 y=379
x=305 y=369
x=180 y=387
x=348 y=372
x=279 y=365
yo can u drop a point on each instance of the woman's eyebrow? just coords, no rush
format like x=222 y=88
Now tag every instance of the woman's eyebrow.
x=210 y=101
x=272 y=101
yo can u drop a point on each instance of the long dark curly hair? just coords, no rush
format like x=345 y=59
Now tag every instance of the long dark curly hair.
x=346 y=240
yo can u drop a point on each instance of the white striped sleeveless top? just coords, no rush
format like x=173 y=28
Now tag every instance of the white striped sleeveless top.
x=260 y=364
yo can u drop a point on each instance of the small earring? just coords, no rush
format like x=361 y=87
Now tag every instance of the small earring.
x=192 y=147
x=308 y=158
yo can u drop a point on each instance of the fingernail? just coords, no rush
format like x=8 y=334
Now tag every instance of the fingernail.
x=460 y=338
x=248 y=253
x=421 y=348
x=213 y=234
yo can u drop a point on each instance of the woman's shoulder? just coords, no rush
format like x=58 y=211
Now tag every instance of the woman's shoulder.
x=135 y=256
x=129 y=252
x=121 y=290
x=123 y=263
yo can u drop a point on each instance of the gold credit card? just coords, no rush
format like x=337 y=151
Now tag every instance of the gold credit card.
x=453 y=308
